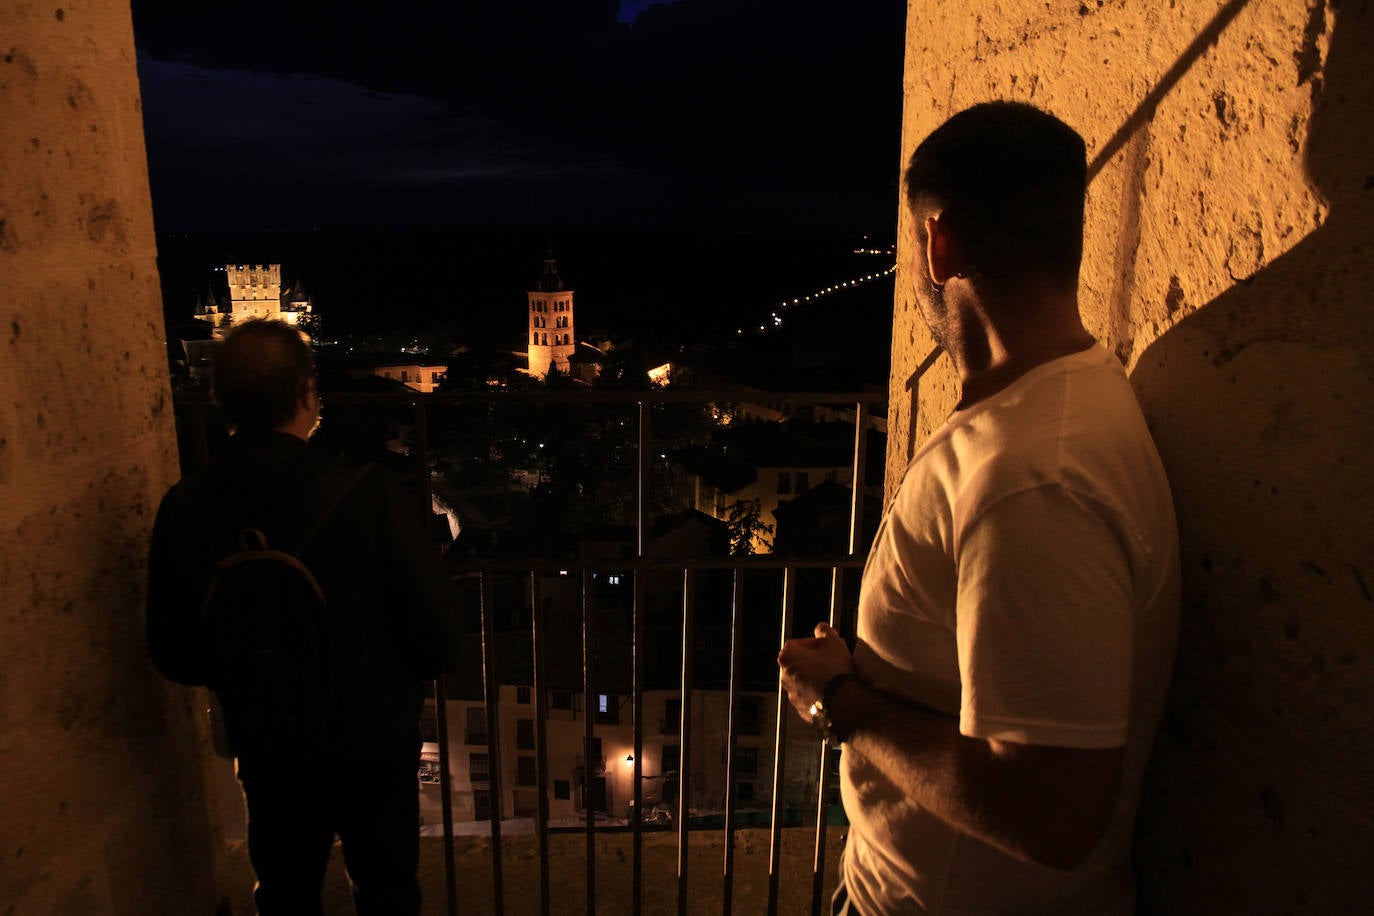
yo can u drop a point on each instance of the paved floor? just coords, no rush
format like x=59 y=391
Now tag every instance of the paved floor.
x=568 y=874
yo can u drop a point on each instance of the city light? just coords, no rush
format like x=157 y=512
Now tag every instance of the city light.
x=824 y=291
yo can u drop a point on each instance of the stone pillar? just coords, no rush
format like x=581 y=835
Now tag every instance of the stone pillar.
x=105 y=806
x=1228 y=264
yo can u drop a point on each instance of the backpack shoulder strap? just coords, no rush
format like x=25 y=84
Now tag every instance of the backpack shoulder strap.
x=350 y=482
x=350 y=479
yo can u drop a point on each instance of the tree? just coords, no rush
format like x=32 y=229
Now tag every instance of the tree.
x=744 y=520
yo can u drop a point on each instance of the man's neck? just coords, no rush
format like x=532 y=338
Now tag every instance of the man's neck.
x=998 y=345
x=301 y=426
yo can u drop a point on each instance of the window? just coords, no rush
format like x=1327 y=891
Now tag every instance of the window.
x=545 y=342
x=744 y=793
x=405 y=375
x=475 y=730
x=525 y=774
x=747 y=716
x=534 y=339
x=607 y=709
x=522 y=694
x=524 y=734
x=746 y=761
x=479 y=768
x=672 y=716
x=562 y=788
x=803 y=483
x=784 y=483
x=668 y=761
x=561 y=699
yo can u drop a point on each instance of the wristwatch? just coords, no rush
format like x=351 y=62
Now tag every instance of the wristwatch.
x=820 y=710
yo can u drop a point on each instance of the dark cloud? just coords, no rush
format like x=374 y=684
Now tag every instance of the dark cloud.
x=528 y=111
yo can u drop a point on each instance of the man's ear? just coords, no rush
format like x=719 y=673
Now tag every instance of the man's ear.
x=310 y=401
x=940 y=253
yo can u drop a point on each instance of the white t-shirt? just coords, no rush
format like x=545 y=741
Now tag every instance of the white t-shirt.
x=1024 y=579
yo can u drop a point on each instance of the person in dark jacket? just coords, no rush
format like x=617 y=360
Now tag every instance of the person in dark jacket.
x=392 y=620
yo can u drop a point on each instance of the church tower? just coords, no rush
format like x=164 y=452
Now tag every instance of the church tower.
x=551 y=337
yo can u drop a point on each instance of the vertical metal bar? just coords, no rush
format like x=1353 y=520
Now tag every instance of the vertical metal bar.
x=823 y=783
x=636 y=769
x=588 y=660
x=492 y=693
x=642 y=478
x=856 y=508
x=780 y=753
x=446 y=796
x=541 y=747
x=856 y=504
x=684 y=760
x=423 y=488
x=637 y=651
x=732 y=727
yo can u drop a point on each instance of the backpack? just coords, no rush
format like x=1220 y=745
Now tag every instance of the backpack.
x=266 y=619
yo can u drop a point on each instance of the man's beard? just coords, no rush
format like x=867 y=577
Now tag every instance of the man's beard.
x=930 y=302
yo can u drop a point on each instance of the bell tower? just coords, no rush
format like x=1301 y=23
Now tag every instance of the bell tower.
x=551 y=336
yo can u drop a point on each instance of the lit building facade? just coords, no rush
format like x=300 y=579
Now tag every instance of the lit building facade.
x=551 y=335
x=421 y=377
x=255 y=292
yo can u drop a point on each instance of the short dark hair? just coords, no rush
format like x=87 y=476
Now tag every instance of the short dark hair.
x=260 y=373
x=1010 y=179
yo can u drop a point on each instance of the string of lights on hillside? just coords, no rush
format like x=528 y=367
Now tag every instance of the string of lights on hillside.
x=775 y=317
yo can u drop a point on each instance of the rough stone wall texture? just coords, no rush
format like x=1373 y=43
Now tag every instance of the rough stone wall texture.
x=1227 y=263
x=104 y=803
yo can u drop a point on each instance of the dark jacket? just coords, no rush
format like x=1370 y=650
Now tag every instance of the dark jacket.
x=394 y=614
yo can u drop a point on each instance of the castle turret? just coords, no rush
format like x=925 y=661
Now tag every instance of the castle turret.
x=551 y=336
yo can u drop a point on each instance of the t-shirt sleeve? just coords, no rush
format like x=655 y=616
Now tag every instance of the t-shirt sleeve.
x=1045 y=622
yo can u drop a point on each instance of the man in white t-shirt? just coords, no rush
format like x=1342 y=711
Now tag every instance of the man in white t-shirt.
x=1019 y=607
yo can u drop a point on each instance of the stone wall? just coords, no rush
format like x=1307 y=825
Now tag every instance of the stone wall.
x=1227 y=263
x=104 y=805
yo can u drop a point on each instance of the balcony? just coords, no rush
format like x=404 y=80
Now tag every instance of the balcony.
x=659 y=824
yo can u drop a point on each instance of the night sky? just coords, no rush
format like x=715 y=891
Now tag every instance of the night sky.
x=719 y=115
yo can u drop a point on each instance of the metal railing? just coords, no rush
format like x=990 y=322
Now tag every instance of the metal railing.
x=197 y=405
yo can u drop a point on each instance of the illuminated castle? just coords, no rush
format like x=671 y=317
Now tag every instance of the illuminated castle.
x=255 y=292
x=551 y=322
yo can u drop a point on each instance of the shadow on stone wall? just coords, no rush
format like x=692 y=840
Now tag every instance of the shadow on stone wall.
x=1261 y=792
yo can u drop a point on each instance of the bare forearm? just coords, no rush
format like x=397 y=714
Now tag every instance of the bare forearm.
x=1039 y=803
x=975 y=786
